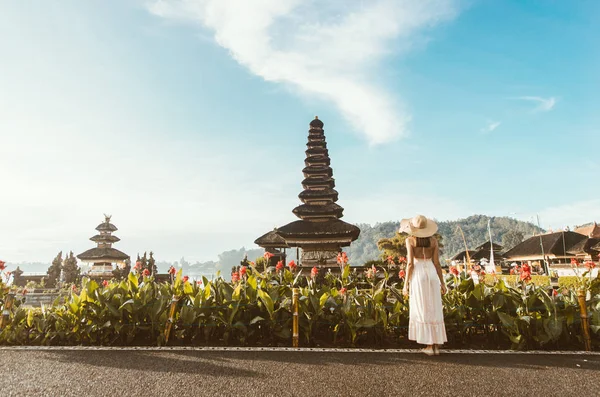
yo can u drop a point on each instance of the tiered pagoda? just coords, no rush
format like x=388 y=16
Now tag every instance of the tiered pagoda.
x=319 y=233
x=104 y=255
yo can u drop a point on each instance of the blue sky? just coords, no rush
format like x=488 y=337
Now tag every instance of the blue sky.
x=187 y=119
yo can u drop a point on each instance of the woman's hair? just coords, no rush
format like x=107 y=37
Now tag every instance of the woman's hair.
x=423 y=241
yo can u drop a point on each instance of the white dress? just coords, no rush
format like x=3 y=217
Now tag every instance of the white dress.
x=426 y=323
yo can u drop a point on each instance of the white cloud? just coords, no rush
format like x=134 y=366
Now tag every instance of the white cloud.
x=544 y=104
x=491 y=126
x=326 y=49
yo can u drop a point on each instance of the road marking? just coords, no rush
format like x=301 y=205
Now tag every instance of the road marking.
x=287 y=350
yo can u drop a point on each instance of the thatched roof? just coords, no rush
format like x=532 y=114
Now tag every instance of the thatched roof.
x=105 y=238
x=462 y=256
x=331 y=194
x=331 y=209
x=592 y=230
x=487 y=245
x=554 y=244
x=103 y=255
x=319 y=230
x=584 y=247
x=271 y=239
x=106 y=227
x=486 y=254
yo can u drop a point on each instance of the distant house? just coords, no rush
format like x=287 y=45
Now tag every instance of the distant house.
x=557 y=248
x=592 y=230
x=552 y=246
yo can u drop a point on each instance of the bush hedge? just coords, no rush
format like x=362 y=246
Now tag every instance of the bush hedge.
x=257 y=311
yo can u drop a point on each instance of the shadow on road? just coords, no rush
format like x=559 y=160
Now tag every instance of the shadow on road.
x=238 y=364
x=153 y=362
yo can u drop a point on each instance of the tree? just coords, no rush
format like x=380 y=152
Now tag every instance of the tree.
x=396 y=246
x=54 y=271
x=70 y=269
x=512 y=238
x=122 y=273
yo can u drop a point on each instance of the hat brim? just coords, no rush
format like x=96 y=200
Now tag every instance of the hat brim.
x=427 y=231
x=404 y=226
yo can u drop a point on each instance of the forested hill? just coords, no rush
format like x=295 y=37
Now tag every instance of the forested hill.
x=505 y=231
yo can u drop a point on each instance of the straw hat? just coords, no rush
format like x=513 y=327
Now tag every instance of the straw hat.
x=419 y=226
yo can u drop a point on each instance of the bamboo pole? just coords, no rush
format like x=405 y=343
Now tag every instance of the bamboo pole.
x=171 y=318
x=295 y=335
x=585 y=320
x=6 y=312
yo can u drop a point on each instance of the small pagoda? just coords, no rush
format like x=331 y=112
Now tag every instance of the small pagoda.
x=104 y=255
x=319 y=233
x=274 y=244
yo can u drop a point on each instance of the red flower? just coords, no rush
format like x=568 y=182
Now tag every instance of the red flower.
x=172 y=270
x=105 y=283
x=279 y=266
x=74 y=288
x=402 y=274
x=243 y=271
x=525 y=276
x=525 y=268
x=314 y=271
x=574 y=262
x=342 y=258
x=25 y=292
x=343 y=291
x=292 y=265
x=482 y=273
x=514 y=270
x=146 y=273
x=402 y=259
x=390 y=260
x=138 y=265
x=235 y=277
x=252 y=263
x=199 y=282
x=589 y=265
x=454 y=270
x=2 y=265
x=554 y=292
x=268 y=255
x=185 y=279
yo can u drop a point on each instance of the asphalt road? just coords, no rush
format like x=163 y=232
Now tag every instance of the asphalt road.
x=197 y=373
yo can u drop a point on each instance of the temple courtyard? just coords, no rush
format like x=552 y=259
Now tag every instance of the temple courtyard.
x=252 y=372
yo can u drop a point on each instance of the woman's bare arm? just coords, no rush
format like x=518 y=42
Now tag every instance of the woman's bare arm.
x=410 y=263
x=436 y=262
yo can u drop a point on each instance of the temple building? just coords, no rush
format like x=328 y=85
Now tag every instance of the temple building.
x=104 y=255
x=319 y=233
x=273 y=243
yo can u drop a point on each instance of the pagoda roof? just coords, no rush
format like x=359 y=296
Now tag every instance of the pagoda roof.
x=106 y=226
x=318 y=181
x=317 y=170
x=317 y=151
x=316 y=124
x=105 y=238
x=319 y=230
x=553 y=245
x=310 y=210
x=313 y=160
x=104 y=254
x=271 y=239
x=319 y=194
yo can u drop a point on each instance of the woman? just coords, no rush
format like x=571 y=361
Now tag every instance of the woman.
x=423 y=282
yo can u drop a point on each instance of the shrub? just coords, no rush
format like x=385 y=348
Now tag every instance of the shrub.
x=257 y=310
